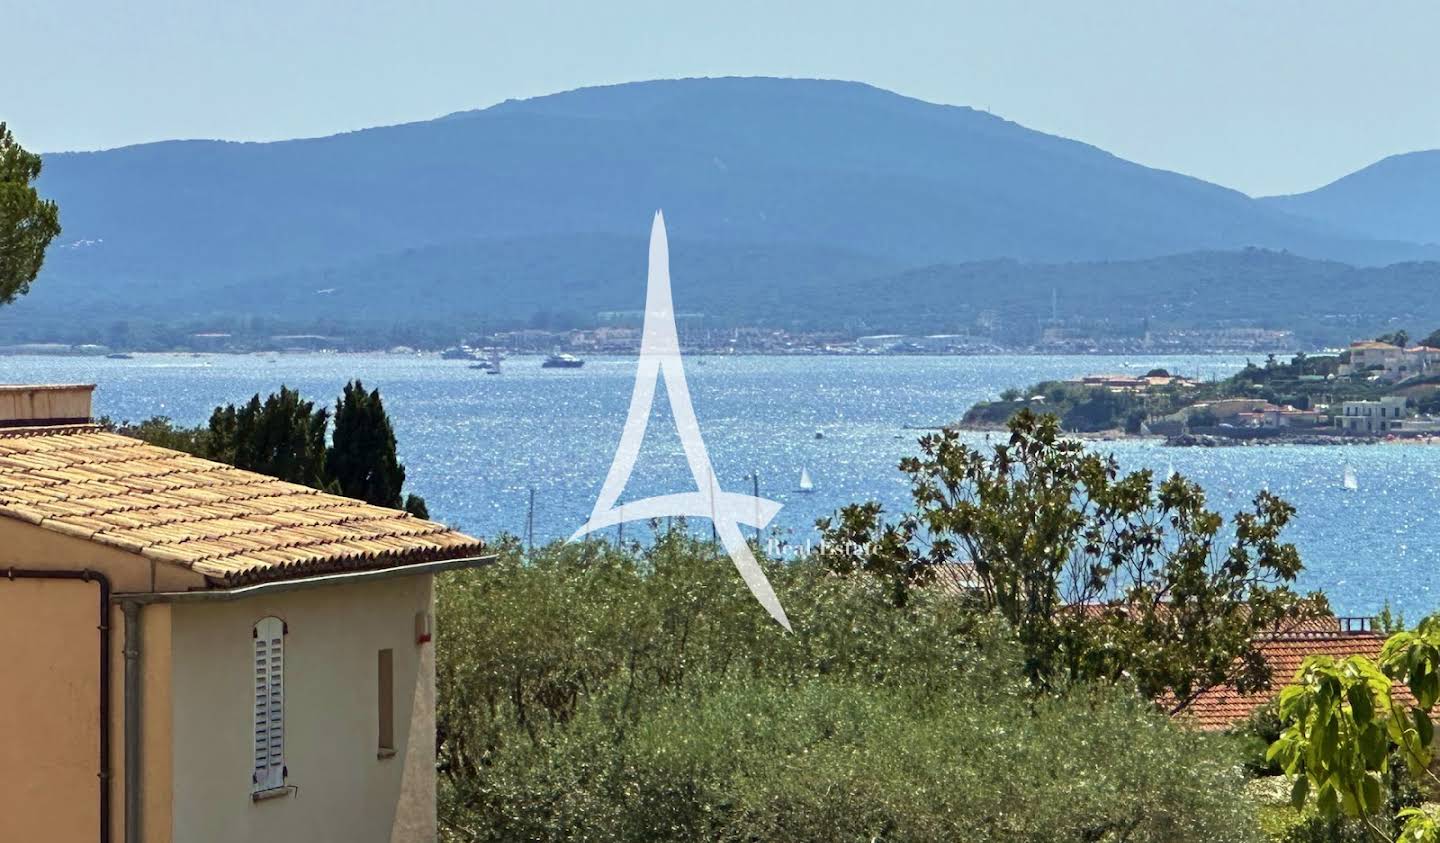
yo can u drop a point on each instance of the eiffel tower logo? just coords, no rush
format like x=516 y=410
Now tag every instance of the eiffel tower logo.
x=660 y=357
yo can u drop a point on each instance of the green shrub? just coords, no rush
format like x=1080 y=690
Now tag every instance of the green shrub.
x=591 y=693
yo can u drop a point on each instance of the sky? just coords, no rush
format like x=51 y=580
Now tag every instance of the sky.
x=1271 y=96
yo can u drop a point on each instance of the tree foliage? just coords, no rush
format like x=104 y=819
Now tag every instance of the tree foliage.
x=1346 y=726
x=27 y=222
x=591 y=692
x=361 y=461
x=1102 y=575
x=283 y=436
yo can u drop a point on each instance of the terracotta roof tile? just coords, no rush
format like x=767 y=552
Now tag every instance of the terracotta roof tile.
x=1222 y=706
x=235 y=527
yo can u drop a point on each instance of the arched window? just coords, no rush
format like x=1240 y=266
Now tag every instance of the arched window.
x=269 y=635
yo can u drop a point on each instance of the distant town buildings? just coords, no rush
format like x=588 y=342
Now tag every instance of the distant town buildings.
x=1391 y=362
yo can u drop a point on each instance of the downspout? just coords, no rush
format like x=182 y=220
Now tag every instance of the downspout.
x=87 y=575
x=132 y=720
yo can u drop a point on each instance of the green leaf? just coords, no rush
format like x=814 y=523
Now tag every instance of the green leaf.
x=1370 y=794
x=1424 y=729
x=1326 y=802
x=1299 y=791
x=1361 y=707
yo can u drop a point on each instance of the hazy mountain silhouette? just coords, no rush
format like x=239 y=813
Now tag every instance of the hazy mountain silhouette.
x=1396 y=198
x=790 y=185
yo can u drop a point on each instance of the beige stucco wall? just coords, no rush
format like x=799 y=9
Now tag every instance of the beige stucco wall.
x=343 y=792
x=49 y=693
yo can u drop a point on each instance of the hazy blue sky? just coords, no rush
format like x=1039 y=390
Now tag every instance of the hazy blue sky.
x=1268 y=96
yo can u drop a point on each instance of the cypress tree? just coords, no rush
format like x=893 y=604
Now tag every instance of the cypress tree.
x=362 y=462
x=283 y=437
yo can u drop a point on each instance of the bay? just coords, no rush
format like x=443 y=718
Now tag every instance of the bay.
x=475 y=445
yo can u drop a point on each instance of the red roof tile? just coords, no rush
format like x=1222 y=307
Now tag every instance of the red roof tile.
x=1222 y=706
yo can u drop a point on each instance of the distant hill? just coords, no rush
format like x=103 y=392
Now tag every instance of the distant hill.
x=456 y=289
x=784 y=198
x=1397 y=198
x=1324 y=302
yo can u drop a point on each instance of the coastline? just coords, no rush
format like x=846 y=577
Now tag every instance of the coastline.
x=1213 y=440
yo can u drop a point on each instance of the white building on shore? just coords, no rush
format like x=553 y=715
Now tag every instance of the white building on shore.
x=1381 y=416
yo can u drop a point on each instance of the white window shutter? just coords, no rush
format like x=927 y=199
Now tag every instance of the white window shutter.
x=269 y=755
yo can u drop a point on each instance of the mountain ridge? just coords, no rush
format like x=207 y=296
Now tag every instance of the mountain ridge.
x=1397 y=197
x=794 y=187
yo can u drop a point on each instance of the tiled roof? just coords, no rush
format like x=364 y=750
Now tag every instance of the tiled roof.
x=1222 y=706
x=957 y=578
x=235 y=527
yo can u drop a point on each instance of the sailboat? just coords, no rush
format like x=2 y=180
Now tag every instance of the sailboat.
x=1169 y=470
x=1352 y=483
x=806 y=484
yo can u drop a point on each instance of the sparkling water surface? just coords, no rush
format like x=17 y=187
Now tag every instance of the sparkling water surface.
x=476 y=444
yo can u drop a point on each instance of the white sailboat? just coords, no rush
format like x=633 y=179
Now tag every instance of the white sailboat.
x=1169 y=470
x=1352 y=483
x=806 y=484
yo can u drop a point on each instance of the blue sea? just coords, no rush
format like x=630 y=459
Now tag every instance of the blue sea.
x=475 y=445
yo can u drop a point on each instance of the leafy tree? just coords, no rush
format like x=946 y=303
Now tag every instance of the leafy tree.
x=1400 y=338
x=27 y=222
x=1433 y=341
x=284 y=437
x=1348 y=734
x=161 y=431
x=1102 y=575
x=1203 y=417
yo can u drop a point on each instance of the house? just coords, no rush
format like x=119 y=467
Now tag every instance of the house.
x=1272 y=417
x=1391 y=362
x=200 y=653
x=879 y=342
x=1221 y=706
x=1136 y=383
x=1229 y=409
x=1380 y=416
x=957 y=579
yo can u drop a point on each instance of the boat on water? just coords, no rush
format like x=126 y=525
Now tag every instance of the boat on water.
x=1351 y=482
x=562 y=361
x=819 y=434
x=491 y=366
x=806 y=484
x=459 y=352
x=120 y=355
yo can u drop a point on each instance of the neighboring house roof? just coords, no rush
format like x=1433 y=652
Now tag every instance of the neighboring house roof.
x=1221 y=706
x=957 y=578
x=235 y=527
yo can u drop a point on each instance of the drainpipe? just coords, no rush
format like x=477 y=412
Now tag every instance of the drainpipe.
x=87 y=575
x=132 y=720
